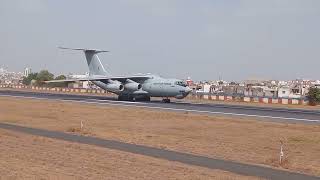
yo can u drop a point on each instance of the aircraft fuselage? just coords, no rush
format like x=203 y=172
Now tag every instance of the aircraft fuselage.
x=154 y=86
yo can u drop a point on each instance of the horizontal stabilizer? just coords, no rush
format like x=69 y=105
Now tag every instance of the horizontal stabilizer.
x=85 y=50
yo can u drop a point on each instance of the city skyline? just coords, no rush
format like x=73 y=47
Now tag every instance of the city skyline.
x=5 y=70
x=234 y=40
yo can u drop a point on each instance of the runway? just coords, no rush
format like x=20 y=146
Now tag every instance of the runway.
x=261 y=113
x=235 y=167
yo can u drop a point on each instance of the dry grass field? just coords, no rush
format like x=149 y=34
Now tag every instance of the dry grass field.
x=30 y=157
x=242 y=140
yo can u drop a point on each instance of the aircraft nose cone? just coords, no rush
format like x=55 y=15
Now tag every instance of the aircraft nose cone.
x=188 y=90
x=184 y=93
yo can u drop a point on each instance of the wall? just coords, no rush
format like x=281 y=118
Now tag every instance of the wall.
x=207 y=96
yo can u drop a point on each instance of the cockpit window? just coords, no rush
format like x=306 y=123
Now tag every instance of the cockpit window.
x=181 y=83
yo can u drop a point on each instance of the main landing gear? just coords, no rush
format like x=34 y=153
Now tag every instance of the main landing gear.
x=125 y=98
x=146 y=98
x=131 y=98
x=167 y=100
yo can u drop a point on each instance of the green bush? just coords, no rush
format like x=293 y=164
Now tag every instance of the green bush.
x=43 y=75
x=27 y=80
x=39 y=79
x=59 y=84
x=314 y=96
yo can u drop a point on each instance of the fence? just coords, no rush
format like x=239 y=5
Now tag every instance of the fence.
x=254 y=99
x=210 y=97
x=56 y=89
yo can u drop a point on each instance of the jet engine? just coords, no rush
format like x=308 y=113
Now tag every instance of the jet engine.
x=114 y=86
x=132 y=86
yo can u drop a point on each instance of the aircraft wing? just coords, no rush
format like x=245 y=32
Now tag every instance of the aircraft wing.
x=67 y=80
x=133 y=78
x=121 y=79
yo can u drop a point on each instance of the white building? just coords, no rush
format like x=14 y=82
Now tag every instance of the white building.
x=26 y=72
x=284 y=92
x=291 y=92
x=206 y=88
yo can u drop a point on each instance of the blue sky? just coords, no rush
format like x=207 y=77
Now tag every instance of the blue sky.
x=208 y=39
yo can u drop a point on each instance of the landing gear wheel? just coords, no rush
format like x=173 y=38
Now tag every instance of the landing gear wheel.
x=126 y=98
x=148 y=98
x=166 y=100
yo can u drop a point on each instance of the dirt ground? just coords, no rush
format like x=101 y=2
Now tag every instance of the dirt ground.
x=242 y=140
x=30 y=157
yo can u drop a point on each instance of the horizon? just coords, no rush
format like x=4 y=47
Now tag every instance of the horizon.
x=186 y=78
x=235 y=40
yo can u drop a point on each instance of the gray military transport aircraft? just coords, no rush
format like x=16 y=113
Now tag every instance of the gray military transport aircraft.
x=130 y=88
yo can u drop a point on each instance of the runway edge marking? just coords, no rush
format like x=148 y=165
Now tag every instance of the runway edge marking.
x=132 y=104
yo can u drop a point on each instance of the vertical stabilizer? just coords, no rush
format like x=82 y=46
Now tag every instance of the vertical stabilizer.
x=94 y=63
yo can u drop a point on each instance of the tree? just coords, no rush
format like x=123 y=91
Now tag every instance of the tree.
x=43 y=75
x=27 y=80
x=314 y=96
x=59 y=84
x=60 y=77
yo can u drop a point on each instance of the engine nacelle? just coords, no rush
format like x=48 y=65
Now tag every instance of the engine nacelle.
x=114 y=87
x=132 y=86
x=110 y=85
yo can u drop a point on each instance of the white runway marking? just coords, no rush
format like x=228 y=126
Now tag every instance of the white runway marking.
x=133 y=104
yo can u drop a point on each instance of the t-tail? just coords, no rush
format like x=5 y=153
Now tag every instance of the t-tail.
x=94 y=63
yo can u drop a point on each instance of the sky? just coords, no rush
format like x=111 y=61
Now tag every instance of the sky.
x=204 y=40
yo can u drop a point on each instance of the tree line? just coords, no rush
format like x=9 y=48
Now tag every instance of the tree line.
x=314 y=96
x=39 y=78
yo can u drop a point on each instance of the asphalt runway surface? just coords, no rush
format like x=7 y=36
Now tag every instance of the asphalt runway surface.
x=235 y=167
x=288 y=115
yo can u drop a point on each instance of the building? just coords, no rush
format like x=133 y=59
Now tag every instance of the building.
x=7 y=77
x=26 y=72
x=189 y=81
x=284 y=92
